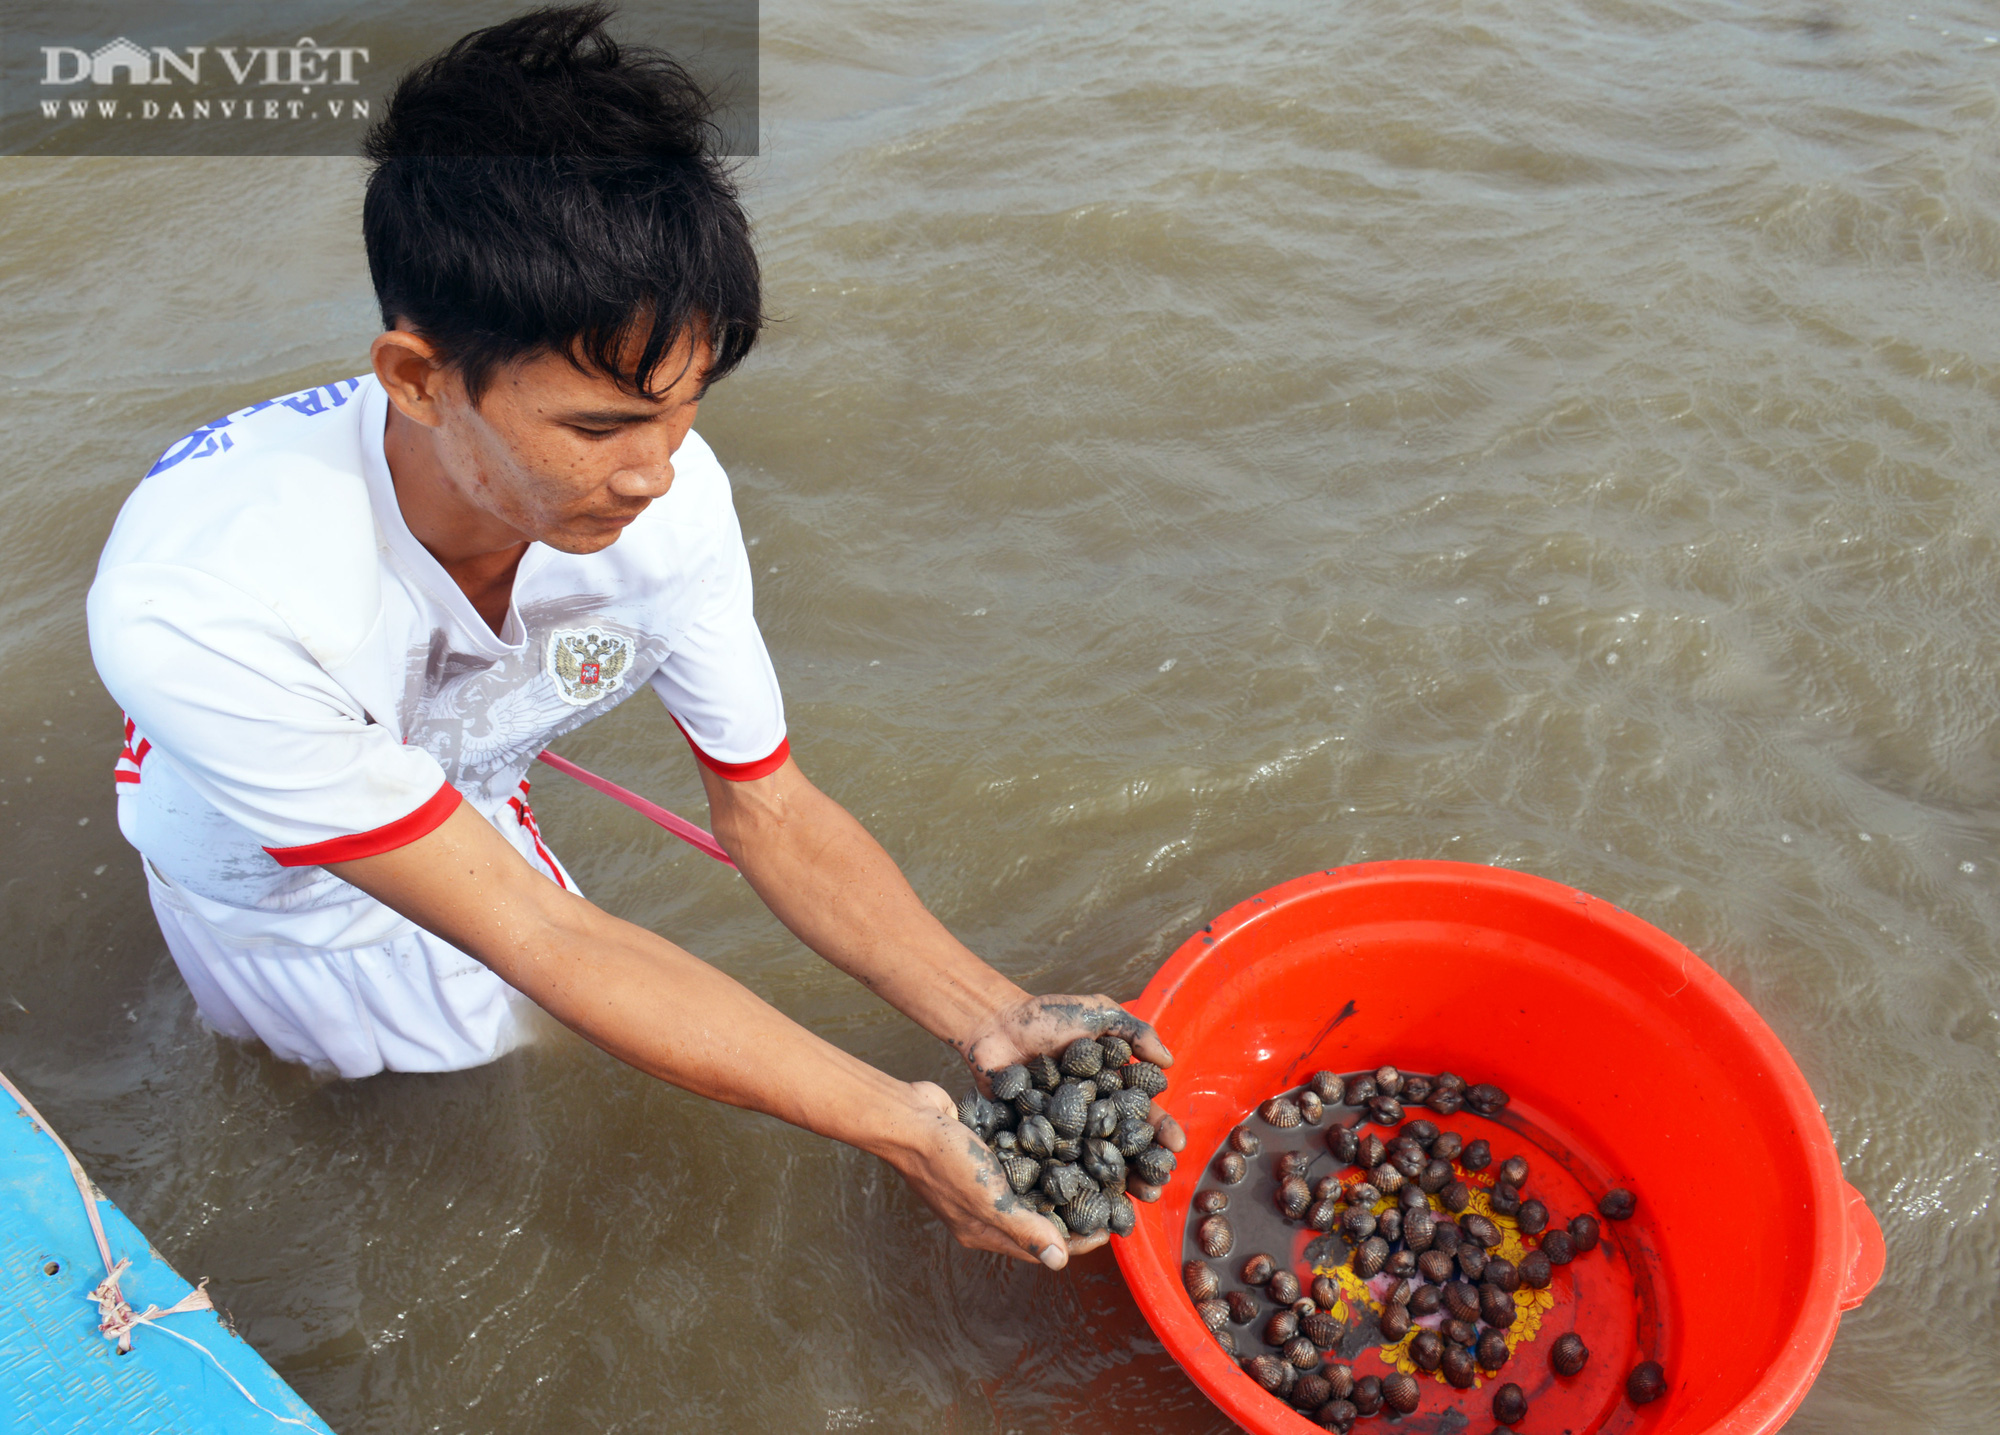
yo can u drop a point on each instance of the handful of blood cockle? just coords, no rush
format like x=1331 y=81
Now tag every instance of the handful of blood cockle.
x=1072 y=1131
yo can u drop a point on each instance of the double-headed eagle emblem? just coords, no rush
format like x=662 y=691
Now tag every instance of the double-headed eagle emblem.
x=588 y=664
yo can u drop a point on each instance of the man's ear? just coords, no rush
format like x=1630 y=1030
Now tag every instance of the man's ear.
x=408 y=367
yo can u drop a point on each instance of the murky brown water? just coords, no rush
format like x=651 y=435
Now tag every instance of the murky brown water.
x=1204 y=443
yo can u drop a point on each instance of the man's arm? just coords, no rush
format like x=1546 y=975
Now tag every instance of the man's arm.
x=827 y=879
x=667 y=1013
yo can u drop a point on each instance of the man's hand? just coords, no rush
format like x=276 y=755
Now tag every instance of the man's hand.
x=958 y=1177
x=1036 y=1025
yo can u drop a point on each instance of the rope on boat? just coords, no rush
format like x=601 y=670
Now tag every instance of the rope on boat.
x=116 y=1320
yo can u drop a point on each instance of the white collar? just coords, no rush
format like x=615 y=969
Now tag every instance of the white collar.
x=417 y=559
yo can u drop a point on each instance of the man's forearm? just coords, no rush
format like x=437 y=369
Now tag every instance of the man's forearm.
x=627 y=990
x=831 y=883
x=672 y=1015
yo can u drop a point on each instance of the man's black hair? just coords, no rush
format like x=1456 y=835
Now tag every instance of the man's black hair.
x=539 y=188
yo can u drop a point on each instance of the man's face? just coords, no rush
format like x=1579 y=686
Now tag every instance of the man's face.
x=563 y=456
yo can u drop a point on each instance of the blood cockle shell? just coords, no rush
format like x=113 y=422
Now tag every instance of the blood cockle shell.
x=1043 y=1072
x=1480 y=1231
x=1200 y=1280
x=1280 y=1113
x=1269 y=1371
x=1215 y=1236
x=1646 y=1383
x=1069 y=1106
x=1082 y=1057
x=1496 y=1307
x=1337 y=1414
x=1461 y=1298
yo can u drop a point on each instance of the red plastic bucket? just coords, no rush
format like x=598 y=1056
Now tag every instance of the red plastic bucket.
x=1651 y=1070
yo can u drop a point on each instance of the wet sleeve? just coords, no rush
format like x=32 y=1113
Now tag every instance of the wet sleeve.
x=717 y=681
x=216 y=681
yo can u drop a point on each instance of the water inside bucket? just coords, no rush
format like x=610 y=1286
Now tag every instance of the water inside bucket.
x=1611 y=1296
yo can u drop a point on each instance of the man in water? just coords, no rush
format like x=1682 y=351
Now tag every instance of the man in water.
x=342 y=623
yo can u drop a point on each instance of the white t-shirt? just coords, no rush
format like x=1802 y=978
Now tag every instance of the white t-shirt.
x=304 y=683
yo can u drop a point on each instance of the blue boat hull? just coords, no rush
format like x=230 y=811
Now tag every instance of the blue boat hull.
x=58 y=1375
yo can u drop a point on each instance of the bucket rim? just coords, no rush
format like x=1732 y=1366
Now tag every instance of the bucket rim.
x=1840 y=1274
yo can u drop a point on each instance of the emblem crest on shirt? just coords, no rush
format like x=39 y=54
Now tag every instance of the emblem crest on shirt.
x=588 y=664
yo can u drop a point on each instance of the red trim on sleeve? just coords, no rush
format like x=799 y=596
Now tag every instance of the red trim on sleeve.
x=739 y=771
x=386 y=838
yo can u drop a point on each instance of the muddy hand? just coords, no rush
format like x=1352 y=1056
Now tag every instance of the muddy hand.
x=1050 y=1023
x=957 y=1176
